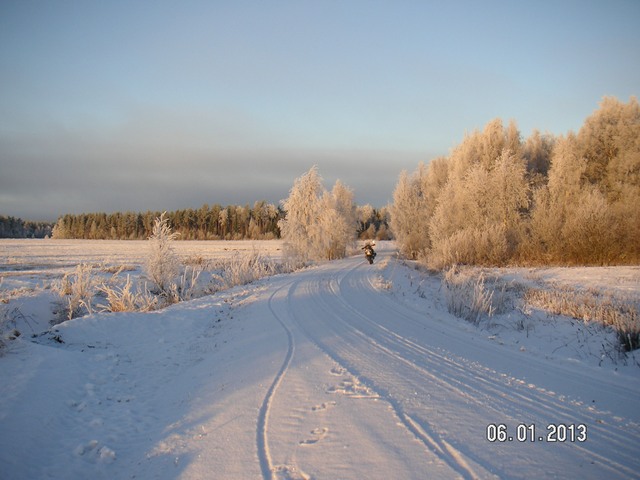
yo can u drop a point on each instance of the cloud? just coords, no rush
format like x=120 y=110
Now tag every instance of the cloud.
x=166 y=159
x=162 y=166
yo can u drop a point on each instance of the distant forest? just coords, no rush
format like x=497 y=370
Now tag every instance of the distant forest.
x=215 y=222
x=11 y=227
x=233 y=222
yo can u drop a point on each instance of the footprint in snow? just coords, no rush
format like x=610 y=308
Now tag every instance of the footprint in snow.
x=289 y=472
x=95 y=453
x=322 y=406
x=351 y=387
x=318 y=434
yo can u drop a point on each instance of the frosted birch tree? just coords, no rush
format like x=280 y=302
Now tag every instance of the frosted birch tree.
x=337 y=221
x=299 y=227
x=318 y=224
x=407 y=213
x=588 y=212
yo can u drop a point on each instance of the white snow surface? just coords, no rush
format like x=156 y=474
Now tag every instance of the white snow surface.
x=340 y=371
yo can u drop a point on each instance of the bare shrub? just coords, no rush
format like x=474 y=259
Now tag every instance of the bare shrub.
x=117 y=269
x=162 y=265
x=128 y=298
x=197 y=261
x=9 y=317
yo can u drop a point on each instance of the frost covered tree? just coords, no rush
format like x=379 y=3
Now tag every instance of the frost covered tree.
x=588 y=212
x=497 y=198
x=318 y=224
x=162 y=266
x=555 y=201
x=467 y=207
x=414 y=203
x=299 y=227
x=337 y=221
x=478 y=217
x=537 y=151
x=409 y=216
x=609 y=142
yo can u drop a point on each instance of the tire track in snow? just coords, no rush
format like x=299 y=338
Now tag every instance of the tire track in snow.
x=443 y=449
x=517 y=400
x=262 y=433
x=475 y=388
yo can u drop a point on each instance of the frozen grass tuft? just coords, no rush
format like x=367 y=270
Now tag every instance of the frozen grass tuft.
x=592 y=306
x=188 y=287
x=125 y=299
x=243 y=269
x=469 y=296
x=76 y=290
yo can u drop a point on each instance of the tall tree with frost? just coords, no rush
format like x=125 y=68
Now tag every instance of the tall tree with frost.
x=299 y=228
x=337 y=221
x=588 y=213
x=405 y=212
x=478 y=218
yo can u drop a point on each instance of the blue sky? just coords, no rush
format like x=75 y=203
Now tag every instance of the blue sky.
x=161 y=105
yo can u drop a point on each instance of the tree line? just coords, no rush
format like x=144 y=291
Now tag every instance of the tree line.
x=12 y=227
x=215 y=222
x=499 y=199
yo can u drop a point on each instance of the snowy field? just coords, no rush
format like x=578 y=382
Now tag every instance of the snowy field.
x=339 y=371
x=48 y=256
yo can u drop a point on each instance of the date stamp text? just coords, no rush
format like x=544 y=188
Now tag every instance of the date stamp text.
x=552 y=433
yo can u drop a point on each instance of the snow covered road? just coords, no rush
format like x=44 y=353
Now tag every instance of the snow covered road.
x=328 y=373
x=431 y=391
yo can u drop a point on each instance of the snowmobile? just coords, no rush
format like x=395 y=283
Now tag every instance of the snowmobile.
x=369 y=252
